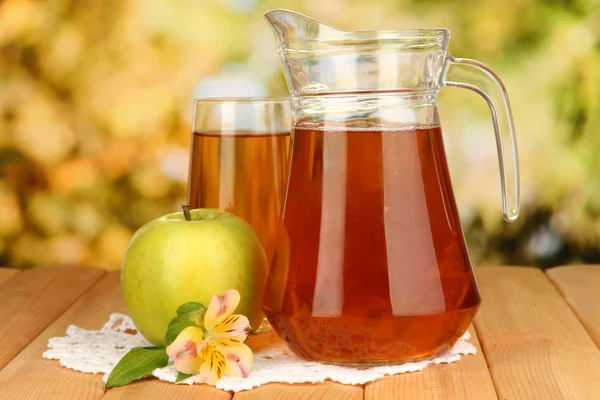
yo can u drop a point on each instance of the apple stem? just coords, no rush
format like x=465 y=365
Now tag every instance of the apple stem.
x=186 y=212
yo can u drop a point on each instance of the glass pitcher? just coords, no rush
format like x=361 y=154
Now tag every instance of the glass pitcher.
x=370 y=261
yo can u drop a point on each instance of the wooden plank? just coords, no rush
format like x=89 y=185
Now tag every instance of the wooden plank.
x=6 y=274
x=158 y=390
x=33 y=299
x=29 y=376
x=46 y=379
x=322 y=391
x=535 y=346
x=580 y=286
x=467 y=379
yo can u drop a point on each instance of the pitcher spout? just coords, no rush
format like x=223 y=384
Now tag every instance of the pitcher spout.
x=292 y=27
x=320 y=59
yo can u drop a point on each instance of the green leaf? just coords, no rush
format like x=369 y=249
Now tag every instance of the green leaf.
x=175 y=327
x=182 y=377
x=197 y=317
x=189 y=307
x=188 y=314
x=137 y=363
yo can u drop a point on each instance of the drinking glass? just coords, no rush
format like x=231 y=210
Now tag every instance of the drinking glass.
x=239 y=160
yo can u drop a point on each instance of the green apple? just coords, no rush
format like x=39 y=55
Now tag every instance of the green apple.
x=172 y=260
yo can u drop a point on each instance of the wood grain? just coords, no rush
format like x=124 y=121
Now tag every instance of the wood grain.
x=152 y=389
x=534 y=343
x=535 y=346
x=322 y=391
x=29 y=376
x=580 y=286
x=33 y=299
x=467 y=379
x=6 y=274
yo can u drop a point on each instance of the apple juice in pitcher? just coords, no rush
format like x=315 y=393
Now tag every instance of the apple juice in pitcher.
x=370 y=261
x=364 y=207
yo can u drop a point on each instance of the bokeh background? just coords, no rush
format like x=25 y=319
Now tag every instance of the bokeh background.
x=95 y=109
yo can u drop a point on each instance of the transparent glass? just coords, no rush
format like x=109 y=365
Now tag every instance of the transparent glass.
x=239 y=160
x=370 y=262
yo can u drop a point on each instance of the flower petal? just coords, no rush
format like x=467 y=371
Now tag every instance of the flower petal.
x=214 y=364
x=232 y=341
x=188 y=365
x=184 y=350
x=239 y=361
x=231 y=331
x=220 y=307
x=190 y=333
x=235 y=323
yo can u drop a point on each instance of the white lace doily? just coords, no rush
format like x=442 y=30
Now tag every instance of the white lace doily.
x=99 y=351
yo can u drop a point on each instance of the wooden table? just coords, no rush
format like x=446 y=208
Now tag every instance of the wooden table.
x=539 y=333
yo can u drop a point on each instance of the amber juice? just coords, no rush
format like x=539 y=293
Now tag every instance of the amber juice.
x=244 y=173
x=370 y=262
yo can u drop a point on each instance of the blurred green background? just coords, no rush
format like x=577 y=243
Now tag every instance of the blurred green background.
x=95 y=109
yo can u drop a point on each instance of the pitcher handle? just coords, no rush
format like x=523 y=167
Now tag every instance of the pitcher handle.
x=476 y=76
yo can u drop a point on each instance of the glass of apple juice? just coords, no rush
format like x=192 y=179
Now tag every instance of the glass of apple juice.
x=239 y=160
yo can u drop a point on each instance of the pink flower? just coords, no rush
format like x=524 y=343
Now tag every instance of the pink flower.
x=218 y=350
